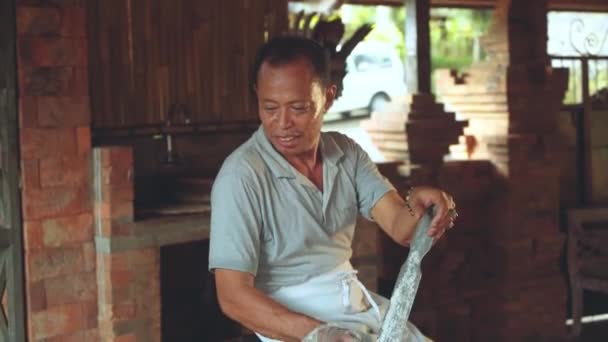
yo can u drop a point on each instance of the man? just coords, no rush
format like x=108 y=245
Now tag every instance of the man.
x=285 y=203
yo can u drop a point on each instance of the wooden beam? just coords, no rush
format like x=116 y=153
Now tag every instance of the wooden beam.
x=417 y=46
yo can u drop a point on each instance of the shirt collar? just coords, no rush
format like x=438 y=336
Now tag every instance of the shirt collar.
x=330 y=152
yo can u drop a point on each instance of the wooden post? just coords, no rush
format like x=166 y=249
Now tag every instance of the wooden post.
x=417 y=46
x=587 y=167
x=12 y=324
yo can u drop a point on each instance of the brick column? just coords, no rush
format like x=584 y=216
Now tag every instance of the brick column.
x=55 y=138
x=506 y=277
x=128 y=276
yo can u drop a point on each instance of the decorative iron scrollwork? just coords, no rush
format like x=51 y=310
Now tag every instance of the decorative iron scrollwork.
x=583 y=42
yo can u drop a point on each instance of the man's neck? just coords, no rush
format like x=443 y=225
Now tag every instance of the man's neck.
x=305 y=162
x=310 y=165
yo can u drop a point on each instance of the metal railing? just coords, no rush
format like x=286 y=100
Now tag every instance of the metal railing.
x=587 y=75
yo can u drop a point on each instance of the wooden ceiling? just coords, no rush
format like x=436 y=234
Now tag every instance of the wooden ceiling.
x=571 y=5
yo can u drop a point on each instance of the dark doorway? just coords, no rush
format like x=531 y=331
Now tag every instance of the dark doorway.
x=190 y=311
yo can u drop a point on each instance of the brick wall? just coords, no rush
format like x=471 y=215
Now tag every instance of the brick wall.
x=61 y=290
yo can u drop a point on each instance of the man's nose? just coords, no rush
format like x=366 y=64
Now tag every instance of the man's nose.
x=285 y=120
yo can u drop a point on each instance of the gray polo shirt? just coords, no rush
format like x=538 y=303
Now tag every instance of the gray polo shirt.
x=269 y=220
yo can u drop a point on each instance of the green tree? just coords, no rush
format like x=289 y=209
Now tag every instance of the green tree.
x=454 y=33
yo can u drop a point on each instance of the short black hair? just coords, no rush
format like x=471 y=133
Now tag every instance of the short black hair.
x=286 y=49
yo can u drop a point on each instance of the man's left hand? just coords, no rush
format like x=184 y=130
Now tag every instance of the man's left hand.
x=423 y=197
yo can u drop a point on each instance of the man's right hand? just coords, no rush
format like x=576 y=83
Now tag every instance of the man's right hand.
x=242 y=302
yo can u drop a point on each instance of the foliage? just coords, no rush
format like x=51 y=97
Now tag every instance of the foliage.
x=453 y=32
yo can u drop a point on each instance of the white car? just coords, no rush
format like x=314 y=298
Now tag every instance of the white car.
x=374 y=75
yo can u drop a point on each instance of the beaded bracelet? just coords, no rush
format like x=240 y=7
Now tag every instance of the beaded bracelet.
x=407 y=201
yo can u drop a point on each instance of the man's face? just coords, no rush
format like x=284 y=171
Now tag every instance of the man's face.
x=291 y=104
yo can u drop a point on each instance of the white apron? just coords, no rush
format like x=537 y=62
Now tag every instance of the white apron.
x=339 y=297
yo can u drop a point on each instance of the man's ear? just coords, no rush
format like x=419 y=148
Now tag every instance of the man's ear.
x=330 y=96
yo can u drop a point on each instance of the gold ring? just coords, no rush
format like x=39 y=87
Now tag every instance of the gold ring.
x=453 y=213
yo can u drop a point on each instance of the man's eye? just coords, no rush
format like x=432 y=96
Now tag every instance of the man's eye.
x=270 y=109
x=299 y=108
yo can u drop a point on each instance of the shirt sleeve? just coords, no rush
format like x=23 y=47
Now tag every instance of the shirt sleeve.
x=370 y=183
x=236 y=225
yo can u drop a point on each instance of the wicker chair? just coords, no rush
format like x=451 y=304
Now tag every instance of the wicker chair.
x=587 y=257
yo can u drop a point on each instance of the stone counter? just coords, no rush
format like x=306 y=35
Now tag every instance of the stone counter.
x=158 y=232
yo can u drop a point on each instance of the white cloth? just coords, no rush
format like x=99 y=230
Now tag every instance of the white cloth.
x=339 y=297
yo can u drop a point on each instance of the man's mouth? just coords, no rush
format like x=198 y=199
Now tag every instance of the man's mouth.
x=287 y=138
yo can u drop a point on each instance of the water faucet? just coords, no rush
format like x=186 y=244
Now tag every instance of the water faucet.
x=177 y=112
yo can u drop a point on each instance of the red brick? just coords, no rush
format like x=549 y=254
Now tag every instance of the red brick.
x=91 y=335
x=74 y=337
x=104 y=156
x=149 y=306
x=67 y=231
x=118 y=261
x=74 y=22
x=28 y=112
x=44 y=143
x=54 y=263
x=56 y=202
x=83 y=139
x=125 y=338
x=52 y=52
x=79 y=83
x=30 y=175
x=89 y=253
x=121 y=158
x=56 y=321
x=36 y=296
x=106 y=329
x=122 y=311
x=120 y=278
x=365 y=242
x=116 y=186
x=51 y=81
x=32 y=235
x=147 y=286
x=103 y=226
x=62 y=4
x=122 y=192
x=122 y=210
x=102 y=210
x=38 y=21
x=64 y=111
x=142 y=257
x=113 y=294
x=69 y=289
x=122 y=228
x=90 y=313
x=65 y=171
x=105 y=176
